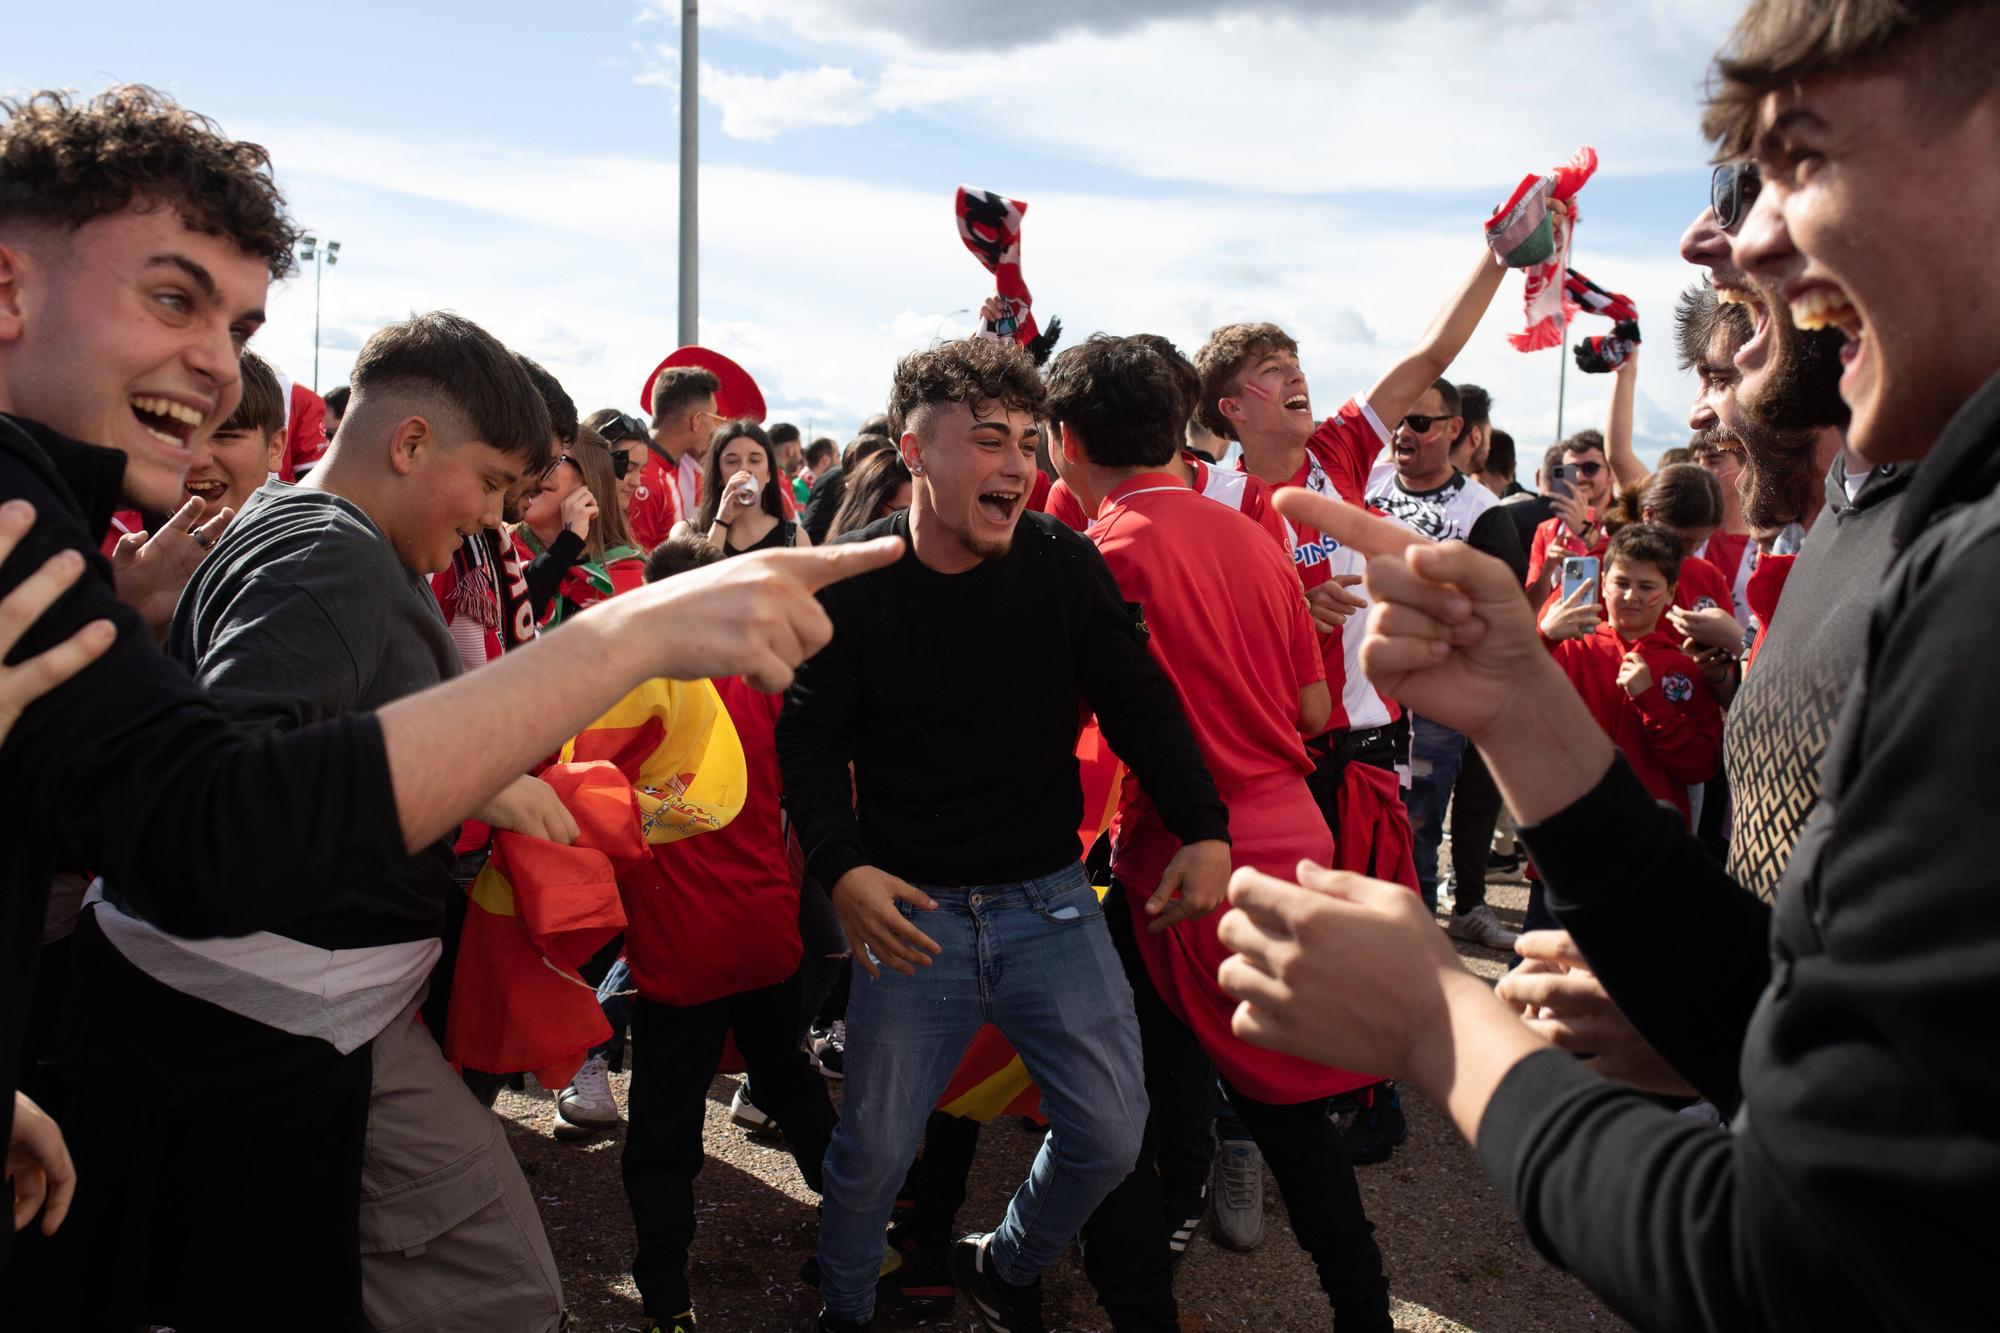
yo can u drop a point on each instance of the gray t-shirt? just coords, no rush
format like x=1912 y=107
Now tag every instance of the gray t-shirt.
x=302 y=612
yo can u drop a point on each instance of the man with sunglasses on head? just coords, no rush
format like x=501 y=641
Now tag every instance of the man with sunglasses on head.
x=626 y=437
x=684 y=416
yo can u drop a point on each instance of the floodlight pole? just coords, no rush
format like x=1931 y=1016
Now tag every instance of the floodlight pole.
x=690 y=304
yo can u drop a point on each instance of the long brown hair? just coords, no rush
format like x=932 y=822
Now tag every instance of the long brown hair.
x=712 y=478
x=875 y=482
x=1682 y=496
x=593 y=460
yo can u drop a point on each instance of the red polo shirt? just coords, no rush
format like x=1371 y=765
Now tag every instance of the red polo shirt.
x=1671 y=734
x=1339 y=457
x=656 y=504
x=1238 y=663
x=1554 y=541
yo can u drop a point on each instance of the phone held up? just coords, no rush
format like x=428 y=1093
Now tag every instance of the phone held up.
x=1562 y=481
x=1579 y=571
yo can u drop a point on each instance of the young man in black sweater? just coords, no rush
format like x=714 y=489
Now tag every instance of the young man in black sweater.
x=955 y=694
x=1847 y=1028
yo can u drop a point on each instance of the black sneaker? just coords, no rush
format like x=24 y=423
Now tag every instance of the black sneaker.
x=1000 y=1305
x=680 y=1323
x=1505 y=867
x=1378 y=1129
x=828 y=1049
x=913 y=1280
x=829 y=1324
x=916 y=1278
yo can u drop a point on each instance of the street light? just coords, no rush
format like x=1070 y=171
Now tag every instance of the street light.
x=321 y=255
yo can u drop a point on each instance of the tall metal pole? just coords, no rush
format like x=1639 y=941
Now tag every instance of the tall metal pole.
x=1562 y=376
x=318 y=270
x=690 y=320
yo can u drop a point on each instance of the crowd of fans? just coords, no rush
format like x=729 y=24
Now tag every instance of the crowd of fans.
x=992 y=709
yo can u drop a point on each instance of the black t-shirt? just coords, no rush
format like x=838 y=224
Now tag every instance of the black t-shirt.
x=957 y=699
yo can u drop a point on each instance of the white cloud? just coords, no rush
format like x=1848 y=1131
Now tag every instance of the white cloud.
x=759 y=107
x=819 y=300
x=1293 y=99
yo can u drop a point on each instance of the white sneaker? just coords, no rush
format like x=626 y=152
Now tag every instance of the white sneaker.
x=742 y=1111
x=1481 y=927
x=1236 y=1201
x=586 y=1105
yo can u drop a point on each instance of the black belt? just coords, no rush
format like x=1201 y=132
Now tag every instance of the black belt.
x=1385 y=747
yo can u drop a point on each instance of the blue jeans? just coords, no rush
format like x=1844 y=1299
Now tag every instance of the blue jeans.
x=1435 y=755
x=617 y=1007
x=1034 y=959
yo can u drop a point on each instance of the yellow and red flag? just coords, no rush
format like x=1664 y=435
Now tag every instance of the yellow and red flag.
x=664 y=764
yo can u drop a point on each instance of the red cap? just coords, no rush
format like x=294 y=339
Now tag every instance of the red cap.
x=737 y=398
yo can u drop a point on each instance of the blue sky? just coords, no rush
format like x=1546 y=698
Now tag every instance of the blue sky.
x=1185 y=163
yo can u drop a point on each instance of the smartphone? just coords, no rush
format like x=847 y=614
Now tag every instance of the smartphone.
x=1579 y=571
x=1562 y=481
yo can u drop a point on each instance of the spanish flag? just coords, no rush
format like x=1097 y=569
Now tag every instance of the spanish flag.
x=664 y=764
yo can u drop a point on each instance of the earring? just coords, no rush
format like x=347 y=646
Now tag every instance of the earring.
x=917 y=470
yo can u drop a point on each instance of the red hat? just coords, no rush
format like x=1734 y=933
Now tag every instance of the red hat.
x=737 y=398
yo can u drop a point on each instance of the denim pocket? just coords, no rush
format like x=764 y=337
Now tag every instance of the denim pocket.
x=1068 y=905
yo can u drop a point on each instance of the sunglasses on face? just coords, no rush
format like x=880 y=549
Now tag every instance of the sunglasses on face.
x=1417 y=423
x=1732 y=189
x=1586 y=470
x=621 y=463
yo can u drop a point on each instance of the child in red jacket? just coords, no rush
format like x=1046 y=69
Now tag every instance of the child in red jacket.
x=1647 y=694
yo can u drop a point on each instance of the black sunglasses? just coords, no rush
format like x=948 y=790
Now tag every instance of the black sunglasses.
x=1732 y=189
x=1419 y=423
x=1586 y=469
x=623 y=427
x=621 y=463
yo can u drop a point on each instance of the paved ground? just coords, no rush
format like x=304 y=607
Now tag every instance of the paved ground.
x=1456 y=1258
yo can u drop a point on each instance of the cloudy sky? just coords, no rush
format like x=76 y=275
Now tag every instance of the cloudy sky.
x=1325 y=165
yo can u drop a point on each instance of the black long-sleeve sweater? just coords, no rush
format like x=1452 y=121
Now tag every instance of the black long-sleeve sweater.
x=955 y=696
x=1850 y=1026
x=130 y=771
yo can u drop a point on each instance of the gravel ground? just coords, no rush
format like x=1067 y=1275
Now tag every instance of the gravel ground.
x=1457 y=1260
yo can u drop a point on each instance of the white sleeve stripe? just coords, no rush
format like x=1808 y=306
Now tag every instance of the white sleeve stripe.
x=1368 y=414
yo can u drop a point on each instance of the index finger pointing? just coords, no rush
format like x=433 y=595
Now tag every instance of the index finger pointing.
x=1350 y=525
x=818 y=566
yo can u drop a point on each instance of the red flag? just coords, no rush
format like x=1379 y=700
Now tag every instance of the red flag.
x=1548 y=309
x=536 y=914
x=990 y=226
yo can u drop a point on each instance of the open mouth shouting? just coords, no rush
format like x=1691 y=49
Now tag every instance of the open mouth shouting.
x=1298 y=402
x=1817 y=304
x=1001 y=506
x=208 y=490
x=168 y=420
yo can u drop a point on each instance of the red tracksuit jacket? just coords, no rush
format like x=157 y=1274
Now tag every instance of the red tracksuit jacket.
x=1671 y=735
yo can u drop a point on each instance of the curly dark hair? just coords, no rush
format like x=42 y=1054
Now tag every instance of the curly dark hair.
x=1122 y=397
x=64 y=162
x=1221 y=361
x=978 y=372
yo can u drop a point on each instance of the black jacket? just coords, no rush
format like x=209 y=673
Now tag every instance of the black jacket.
x=1855 y=1188
x=129 y=771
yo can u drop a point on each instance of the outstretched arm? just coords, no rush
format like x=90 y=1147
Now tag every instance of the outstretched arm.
x=1630 y=473
x=1398 y=390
